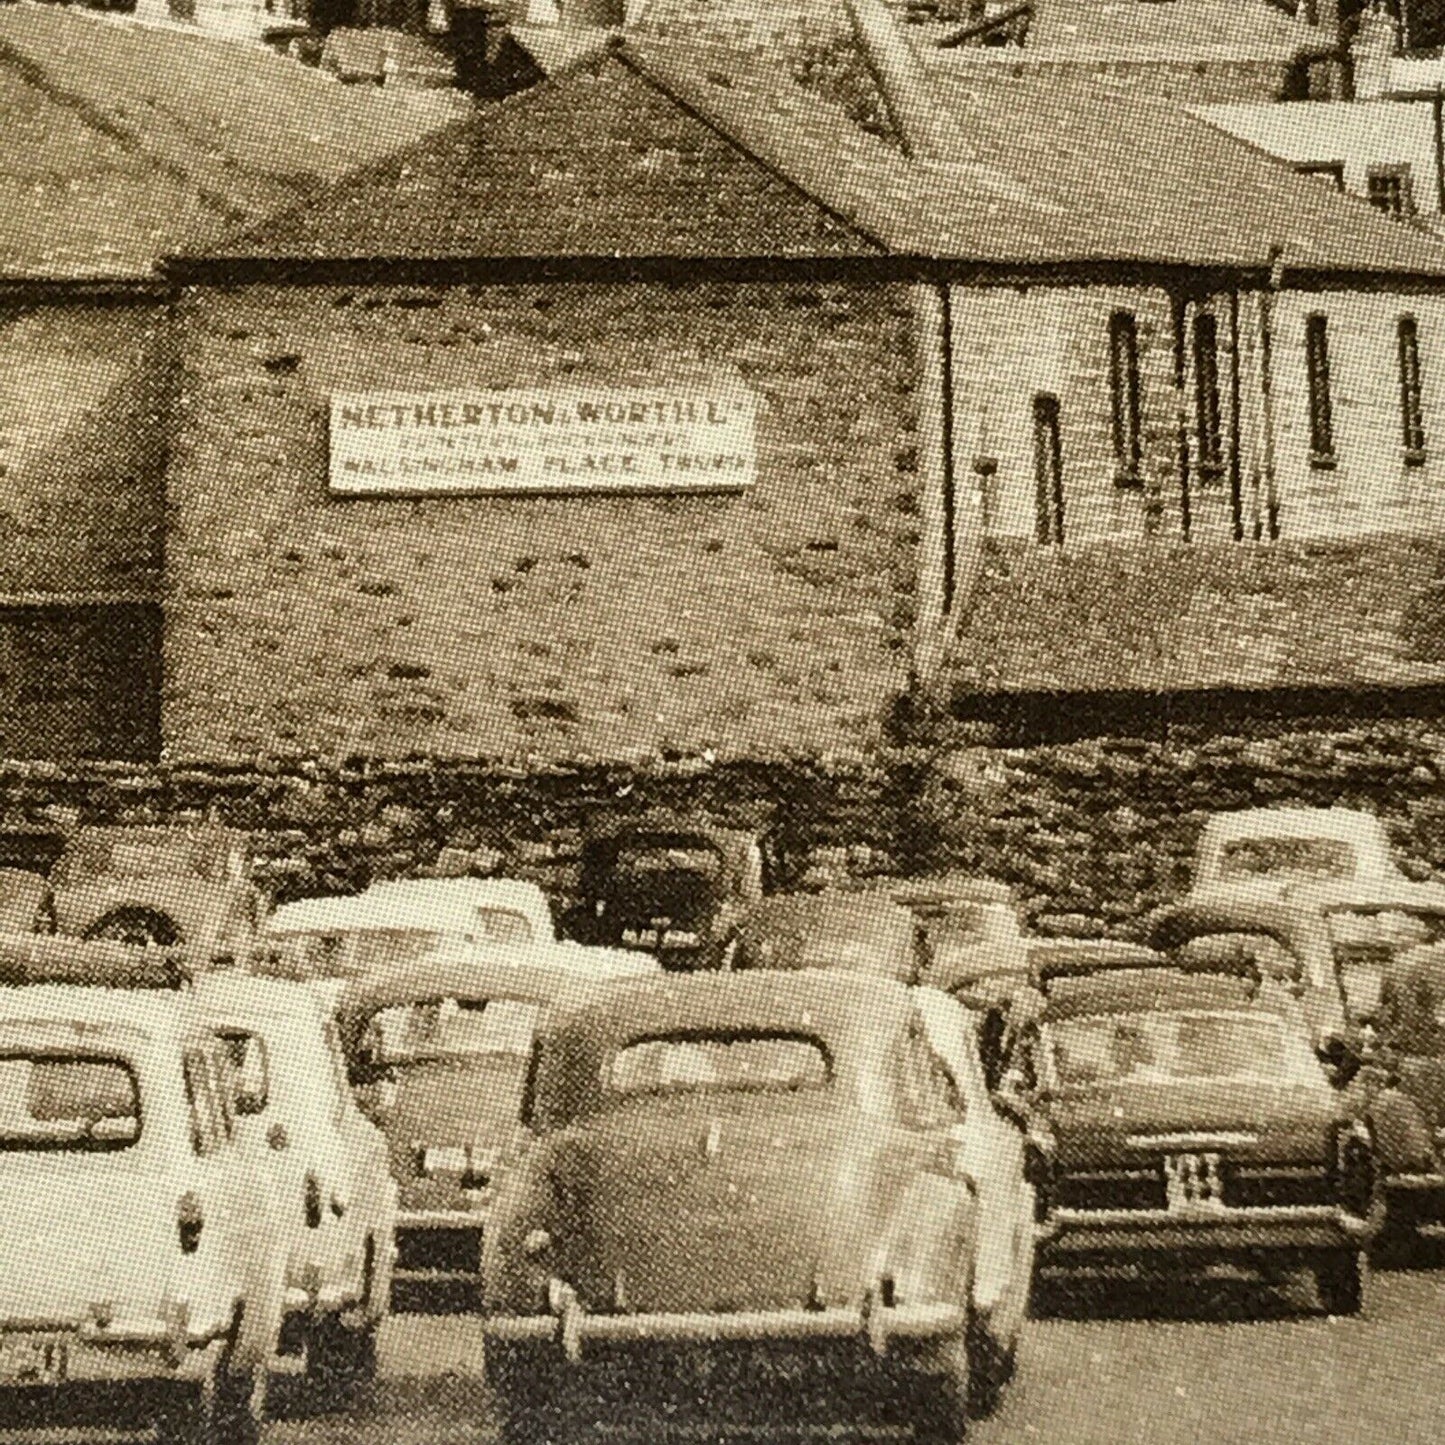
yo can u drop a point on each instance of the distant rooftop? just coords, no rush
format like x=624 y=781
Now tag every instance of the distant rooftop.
x=123 y=142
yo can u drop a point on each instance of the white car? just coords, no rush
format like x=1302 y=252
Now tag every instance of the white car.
x=325 y=1163
x=1264 y=851
x=395 y=922
x=135 y=1250
x=993 y=1151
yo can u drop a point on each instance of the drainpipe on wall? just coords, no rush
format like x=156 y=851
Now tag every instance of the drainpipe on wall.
x=1437 y=114
x=1236 y=476
x=938 y=546
x=1179 y=315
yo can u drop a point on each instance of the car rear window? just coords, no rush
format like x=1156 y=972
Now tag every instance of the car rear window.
x=67 y=1102
x=1299 y=857
x=342 y=953
x=714 y=1063
x=451 y=1028
x=1144 y=1048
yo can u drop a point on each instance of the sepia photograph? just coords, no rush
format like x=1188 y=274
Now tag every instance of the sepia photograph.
x=722 y=721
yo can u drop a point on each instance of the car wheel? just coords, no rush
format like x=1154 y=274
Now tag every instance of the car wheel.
x=990 y=1367
x=529 y=1397
x=940 y=1412
x=340 y=1362
x=224 y=1409
x=1340 y=1280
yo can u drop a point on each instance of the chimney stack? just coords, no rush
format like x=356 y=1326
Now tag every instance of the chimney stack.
x=923 y=125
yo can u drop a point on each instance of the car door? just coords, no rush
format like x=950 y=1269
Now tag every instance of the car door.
x=224 y=1217
x=992 y=1151
x=930 y=1242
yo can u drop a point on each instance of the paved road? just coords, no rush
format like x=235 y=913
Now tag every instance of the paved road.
x=1112 y=1367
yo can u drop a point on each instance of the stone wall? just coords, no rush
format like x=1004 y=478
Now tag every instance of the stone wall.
x=1101 y=829
x=770 y=623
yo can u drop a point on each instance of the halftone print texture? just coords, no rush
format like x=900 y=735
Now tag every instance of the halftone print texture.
x=722 y=721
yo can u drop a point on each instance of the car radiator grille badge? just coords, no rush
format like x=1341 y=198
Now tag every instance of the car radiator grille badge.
x=1193 y=1182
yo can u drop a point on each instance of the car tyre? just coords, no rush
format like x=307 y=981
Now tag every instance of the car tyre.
x=941 y=1406
x=991 y=1365
x=1340 y=1280
x=224 y=1409
x=340 y=1362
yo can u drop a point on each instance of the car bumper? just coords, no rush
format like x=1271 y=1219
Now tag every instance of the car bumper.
x=1148 y=1231
x=70 y=1356
x=571 y=1329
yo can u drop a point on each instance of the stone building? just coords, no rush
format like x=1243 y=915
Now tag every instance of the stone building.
x=951 y=401
x=102 y=175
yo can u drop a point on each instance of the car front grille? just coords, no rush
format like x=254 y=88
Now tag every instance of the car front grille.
x=1253 y=1187
x=1111 y=1189
x=1277 y=1188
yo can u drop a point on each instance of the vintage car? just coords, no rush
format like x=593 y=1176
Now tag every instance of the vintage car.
x=324 y=1163
x=136 y=1270
x=1262 y=851
x=1336 y=944
x=669 y=885
x=437 y=1051
x=740 y=1183
x=861 y=932
x=188 y=886
x=351 y=935
x=1187 y=1121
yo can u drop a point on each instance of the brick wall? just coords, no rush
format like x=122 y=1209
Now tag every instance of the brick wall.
x=770 y=623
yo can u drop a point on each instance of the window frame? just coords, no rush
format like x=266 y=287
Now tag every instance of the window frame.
x=1335 y=170
x=1126 y=401
x=1208 y=405
x=1397 y=198
x=1318 y=391
x=1048 y=447
x=1412 y=406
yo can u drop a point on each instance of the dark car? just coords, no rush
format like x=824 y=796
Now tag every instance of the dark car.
x=437 y=1051
x=1188 y=1122
x=667 y=885
x=741 y=1183
x=164 y=886
x=860 y=932
x=1337 y=945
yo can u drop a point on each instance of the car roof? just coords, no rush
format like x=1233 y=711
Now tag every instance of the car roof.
x=1075 y=957
x=1291 y=924
x=257 y=992
x=32 y=959
x=846 y=1010
x=512 y=893
x=1339 y=823
x=938 y=892
x=1371 y=895
x=862 y=932
x=154 y=1014
x=340 y=912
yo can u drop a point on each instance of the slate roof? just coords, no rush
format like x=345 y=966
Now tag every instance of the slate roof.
x=653 y=149
x=124 y=142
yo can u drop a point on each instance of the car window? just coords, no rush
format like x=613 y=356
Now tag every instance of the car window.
x=1149 y=1048
x=67 y=1102
x=247 y=1063
x=718 y=1063
x=504 y=926
x=1366 y=945
x=450 y=1028
x=1298 y=857
x=342 y=953
x=210 y=1122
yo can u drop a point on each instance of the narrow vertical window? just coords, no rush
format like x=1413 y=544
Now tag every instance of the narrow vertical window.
x=1317 y=369
x=1124 y=398
x=1412 y=412
x=1048 y=470
x=1207 y=418
x=1388 y=189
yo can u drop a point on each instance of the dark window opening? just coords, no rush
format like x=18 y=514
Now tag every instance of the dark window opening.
x=1317 y=367
x=1387 y=188
x=1124 y=399
x=1207 y=415
x=1412 y=411
x=1048 y=471
x=1332 y=173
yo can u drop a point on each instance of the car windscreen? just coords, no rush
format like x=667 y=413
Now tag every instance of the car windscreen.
x=67 y=1102
x=451 y=1028
x=1286 y=856
x=1175 y=1047
x=342 y=953
x=1365 y=944
x=717 y=1063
